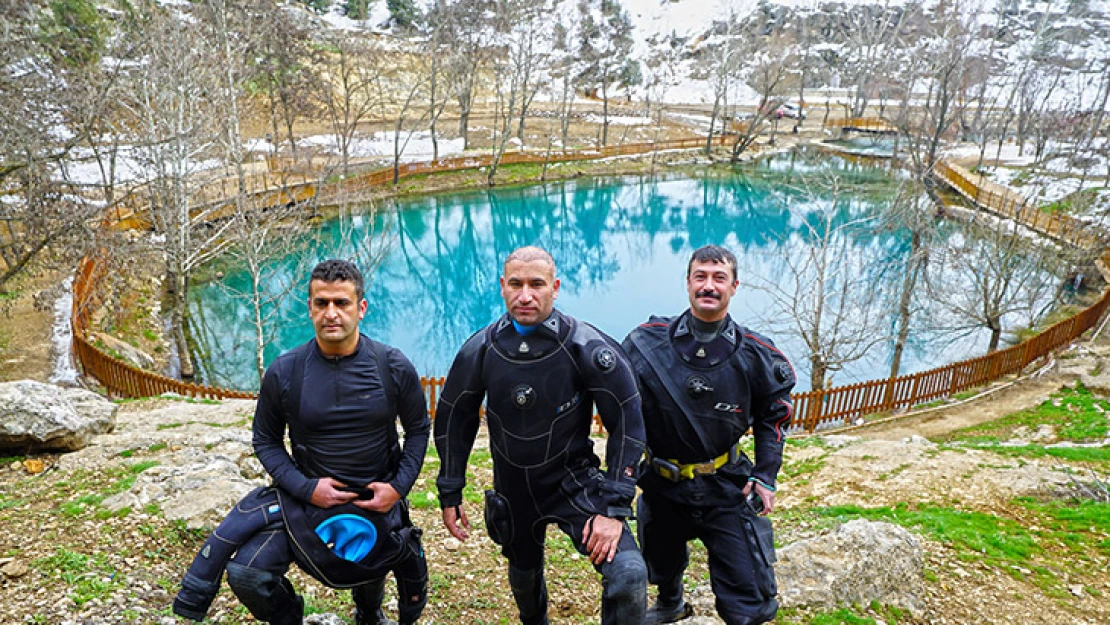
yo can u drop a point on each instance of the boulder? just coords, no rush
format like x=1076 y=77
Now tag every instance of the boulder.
x=857 y=562
x=200 y=494
x=37 y=417
x=129 y=353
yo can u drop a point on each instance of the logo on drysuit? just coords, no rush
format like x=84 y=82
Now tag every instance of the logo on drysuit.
x=783 y=371
x=524 y=396
x=605 y=359
x=696 y=386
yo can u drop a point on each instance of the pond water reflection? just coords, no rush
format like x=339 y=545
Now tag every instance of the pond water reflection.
x=622 y=247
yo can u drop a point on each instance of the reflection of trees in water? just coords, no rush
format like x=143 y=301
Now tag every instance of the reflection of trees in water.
x=440 y=281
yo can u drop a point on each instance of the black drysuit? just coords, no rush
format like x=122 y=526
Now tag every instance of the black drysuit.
x=698 y=400
x=540 y=391
x=344 y=428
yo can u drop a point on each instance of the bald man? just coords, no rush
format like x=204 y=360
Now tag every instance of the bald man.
x=541 y=373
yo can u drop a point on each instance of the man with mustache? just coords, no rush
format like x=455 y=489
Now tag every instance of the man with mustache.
x=541 y=373
x=704 y=381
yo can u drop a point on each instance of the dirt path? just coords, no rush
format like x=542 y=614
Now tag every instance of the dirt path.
x=1024 y=393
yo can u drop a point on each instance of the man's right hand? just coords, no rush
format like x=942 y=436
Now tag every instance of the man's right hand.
x=454 y=519
x=326 y=493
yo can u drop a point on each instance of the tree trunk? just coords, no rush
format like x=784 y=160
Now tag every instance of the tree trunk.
x=712 y=119
x=179 y=297
x=604 y=115
x=818 y=370
x=995 y=326
x=904 y=301
x=464 y=120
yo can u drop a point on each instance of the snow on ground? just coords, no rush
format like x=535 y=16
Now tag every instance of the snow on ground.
x=378 y=18
x=1043 y=182
x=381 y=144
x=82 y=168
x=618 y=120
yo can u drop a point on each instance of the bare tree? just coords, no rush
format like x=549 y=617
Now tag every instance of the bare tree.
x=935 y=81
x=175 y=117
x=465 y=24
x=350 y=90
x=44 y=85
x=987 y=273
x=829 y=293
x=604 y=53
x=417 y=83
x=720 y=63
x=562 y=68
x=873 y=33
x=766 y=74
x=521 y=36
x=283 y=61
x=271 y=246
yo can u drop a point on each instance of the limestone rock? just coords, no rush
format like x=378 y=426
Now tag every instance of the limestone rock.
x=857 y=562
x=218 y=429
x=129 y=353
x=15 y=568
x=37 y=417
x=200 y=493
x=837 y=441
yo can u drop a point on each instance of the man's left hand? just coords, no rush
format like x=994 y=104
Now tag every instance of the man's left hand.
x=385 y=497
x=766 y=496
x=601 y=536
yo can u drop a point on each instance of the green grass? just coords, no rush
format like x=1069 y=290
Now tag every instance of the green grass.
x=1079 y=526
x=1055 y=532
x=975 y=535
x=871 y=614
x=1075 y=413
x=10 y=502
x=795 y=471
x=1090 y=455
x=89 y=577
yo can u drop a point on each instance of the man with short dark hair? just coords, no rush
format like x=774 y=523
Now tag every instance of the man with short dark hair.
x=337 y=506
x=541 y=373
x=705 y=381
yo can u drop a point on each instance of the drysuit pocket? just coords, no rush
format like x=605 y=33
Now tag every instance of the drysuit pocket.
x=761 y=539
x=499 y=518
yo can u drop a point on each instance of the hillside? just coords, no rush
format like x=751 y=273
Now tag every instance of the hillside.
x=1002 y=497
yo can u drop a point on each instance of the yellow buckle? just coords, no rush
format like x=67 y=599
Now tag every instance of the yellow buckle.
x=674 y=471
x=703 y=468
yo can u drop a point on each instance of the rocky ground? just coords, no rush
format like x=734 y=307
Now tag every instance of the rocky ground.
x=90 y=536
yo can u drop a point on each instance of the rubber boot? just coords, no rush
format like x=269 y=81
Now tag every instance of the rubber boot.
x=530 y=591
x=669 y=606
x=270 y=598
x=368 y=603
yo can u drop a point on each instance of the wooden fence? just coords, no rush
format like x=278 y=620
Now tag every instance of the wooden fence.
x=862 y=124
x=813 y=410
x=1004 y=201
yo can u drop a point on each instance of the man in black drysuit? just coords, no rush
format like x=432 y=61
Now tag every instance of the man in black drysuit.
x=704 y=381
x=343 y=436
x=541 y=373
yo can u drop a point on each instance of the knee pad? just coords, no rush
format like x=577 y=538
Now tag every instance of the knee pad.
x=626 y=576
x=269 y=597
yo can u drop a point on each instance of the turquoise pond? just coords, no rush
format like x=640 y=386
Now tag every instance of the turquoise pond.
x=621 y=245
